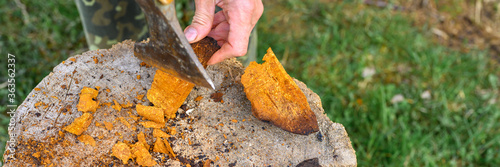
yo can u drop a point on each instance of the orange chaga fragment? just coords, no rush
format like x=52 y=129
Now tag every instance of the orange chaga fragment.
x=142 y=139
x=37 y=89
x=160 y=146
x=124 y=122
x=116 y=106
x=38 y=104
x=108 y=125
x=198 y=98
x=151 y=113
x=151 y=124
x=276 y=98
x=139 y=97
x=142 y=155
x=128 y=105
x=160 y=133
x=169 y=149
x=121 y=151
x=138 y=76
x=89 y=140
x=80 y=124
x=168 y=92
x=61 y=133
x=36 y=155
x=207 y=163
x=86 y=104
x=172 y=131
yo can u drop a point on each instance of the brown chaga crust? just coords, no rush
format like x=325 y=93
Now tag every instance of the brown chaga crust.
x=276 y=98
x=204 y=49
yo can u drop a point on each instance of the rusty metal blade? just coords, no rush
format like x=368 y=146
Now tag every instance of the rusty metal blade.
x=168 y=48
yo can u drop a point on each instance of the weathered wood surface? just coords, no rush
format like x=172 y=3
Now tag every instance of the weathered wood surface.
x=225 y=132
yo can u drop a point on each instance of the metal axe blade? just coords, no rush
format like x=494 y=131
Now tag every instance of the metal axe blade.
x=168 y=48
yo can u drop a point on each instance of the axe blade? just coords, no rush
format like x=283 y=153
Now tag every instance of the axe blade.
x=168 y=48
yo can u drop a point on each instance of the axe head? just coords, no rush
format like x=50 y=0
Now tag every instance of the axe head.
x=167 y=48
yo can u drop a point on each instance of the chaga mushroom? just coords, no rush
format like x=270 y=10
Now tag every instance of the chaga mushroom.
x=169 y=92
x=276 y=98
x=80 y=124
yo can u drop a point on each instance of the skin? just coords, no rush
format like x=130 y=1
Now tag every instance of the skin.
x=231 y=26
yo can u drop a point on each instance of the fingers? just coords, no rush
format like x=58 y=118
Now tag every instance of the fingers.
x=202 y=20
x=218 y=18
x=233 y=28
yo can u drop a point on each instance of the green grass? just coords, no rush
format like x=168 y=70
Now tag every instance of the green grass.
x=327 y=45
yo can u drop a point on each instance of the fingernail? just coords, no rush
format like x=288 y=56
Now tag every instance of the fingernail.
x=191 y=34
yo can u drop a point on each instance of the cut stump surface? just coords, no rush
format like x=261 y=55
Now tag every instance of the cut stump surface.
x=219 y=132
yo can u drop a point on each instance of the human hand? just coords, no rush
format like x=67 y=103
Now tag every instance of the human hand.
x=231 y=26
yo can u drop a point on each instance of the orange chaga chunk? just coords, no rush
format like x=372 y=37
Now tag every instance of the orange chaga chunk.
x=168 y=92
x=160 y=133
x=108 y=125
x=142 y=155
x=142 y=139
x=117 y=106
x=151 y=113
x=169 y=149
x=160 y=146
x=86 y=104
x=87 y=140
x=276 y=98
x=121 y=151
x=80 y=124
x=151 y=124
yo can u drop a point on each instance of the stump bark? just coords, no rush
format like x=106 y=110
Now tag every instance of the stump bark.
x=222 y=129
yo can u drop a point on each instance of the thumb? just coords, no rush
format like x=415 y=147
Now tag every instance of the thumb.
x=202 y=20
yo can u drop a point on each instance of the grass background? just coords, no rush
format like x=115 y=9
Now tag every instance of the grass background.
x=358 y=58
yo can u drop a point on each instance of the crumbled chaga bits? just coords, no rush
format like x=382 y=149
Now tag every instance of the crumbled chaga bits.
x=276 y=98
x=86 y=102
x=167 y=94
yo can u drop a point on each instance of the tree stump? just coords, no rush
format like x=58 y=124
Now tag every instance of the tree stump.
x=212 y=130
